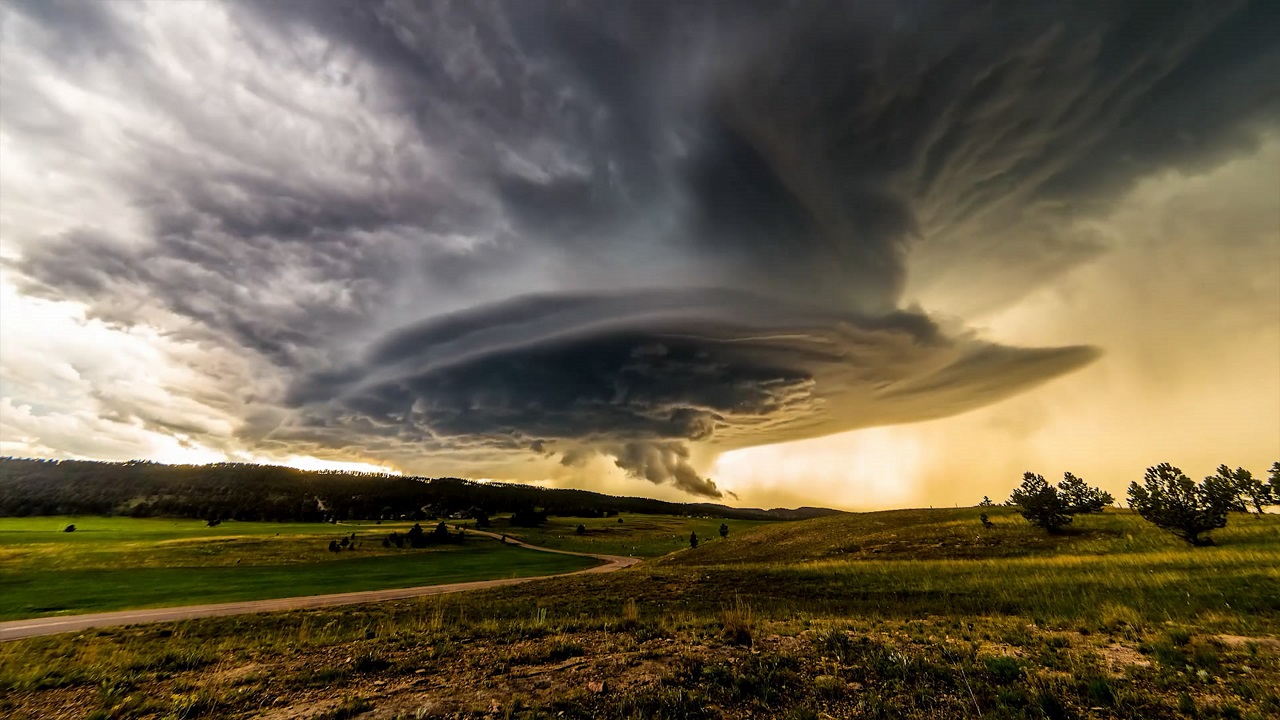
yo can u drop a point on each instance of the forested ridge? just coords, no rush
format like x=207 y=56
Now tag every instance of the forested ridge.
x=241 y=491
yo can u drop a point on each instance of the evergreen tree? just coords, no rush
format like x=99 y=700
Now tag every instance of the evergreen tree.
x=1040 y=503
x=1172 y=501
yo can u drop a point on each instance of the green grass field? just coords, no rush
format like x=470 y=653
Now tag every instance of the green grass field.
x=119 y=563
x=902 y=614
x=637 y=535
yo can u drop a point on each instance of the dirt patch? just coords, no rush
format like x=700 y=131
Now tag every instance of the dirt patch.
x=1241 y=641
x=232 y=675
x=1119 y=657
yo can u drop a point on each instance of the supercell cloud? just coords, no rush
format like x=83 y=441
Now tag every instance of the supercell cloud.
x=463 y=235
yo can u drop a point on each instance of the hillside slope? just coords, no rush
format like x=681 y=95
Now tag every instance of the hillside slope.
x=958 y=534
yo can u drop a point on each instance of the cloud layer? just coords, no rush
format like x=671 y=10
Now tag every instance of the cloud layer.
x=653 y=231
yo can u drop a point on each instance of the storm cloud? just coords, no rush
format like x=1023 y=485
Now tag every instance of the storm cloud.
x=651 y=231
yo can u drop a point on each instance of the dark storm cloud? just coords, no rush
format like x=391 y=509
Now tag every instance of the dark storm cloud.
x=753 y=175
x=640 y=375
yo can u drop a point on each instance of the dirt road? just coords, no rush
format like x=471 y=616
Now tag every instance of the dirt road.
x=16 y=629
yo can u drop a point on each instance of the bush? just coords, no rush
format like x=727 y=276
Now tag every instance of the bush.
x=69 y=528
x=1172 y=501
x=693 y=539
x=441 y=533
x=1244 y=489
x=1052 y=508
x=582 y=529
x=416 y=536
x=528 y=517
x=724 y=530
x=1080 y=498
x=1040 y=503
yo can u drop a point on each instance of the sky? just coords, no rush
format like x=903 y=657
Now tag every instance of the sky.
x=852 y=254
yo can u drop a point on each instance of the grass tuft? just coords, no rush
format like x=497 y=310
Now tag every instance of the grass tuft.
x=737 y=623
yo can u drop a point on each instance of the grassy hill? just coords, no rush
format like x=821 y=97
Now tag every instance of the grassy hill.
x=902 y=614
x=957 y=534
x=906 y=563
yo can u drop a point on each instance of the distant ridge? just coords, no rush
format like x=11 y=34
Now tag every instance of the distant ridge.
x=242 y=491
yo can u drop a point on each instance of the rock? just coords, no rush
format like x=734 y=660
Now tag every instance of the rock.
x=597 y=687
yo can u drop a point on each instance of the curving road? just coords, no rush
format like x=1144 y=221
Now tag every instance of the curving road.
x=17 y=629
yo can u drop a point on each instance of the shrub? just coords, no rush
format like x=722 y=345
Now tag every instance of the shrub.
x=1243 y=489
x=1172 y=501
x=1052 y=508
x=582 y=529
x=1040 y=503
x=693 y=539
x=528 y=517
x=416 y=536
x=69 y=528
x=724 y=530
x=1080 y=498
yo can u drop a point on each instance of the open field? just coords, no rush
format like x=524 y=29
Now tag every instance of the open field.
x=117 y=563
x=636 y=535
x=898 y=614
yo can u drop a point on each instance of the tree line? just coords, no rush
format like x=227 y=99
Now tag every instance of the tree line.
x=1166 y=497
x=243 y=491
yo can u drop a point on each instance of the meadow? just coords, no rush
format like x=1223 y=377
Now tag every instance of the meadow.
x=628 y=535
x=901 y=614
x=117 y=563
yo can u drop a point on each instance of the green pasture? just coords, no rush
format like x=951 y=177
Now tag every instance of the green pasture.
x=636 y=535
x=118 y=563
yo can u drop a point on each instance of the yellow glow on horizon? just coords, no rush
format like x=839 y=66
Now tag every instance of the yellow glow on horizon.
x=180 y=451
x=872 y=468
x=308 y=462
